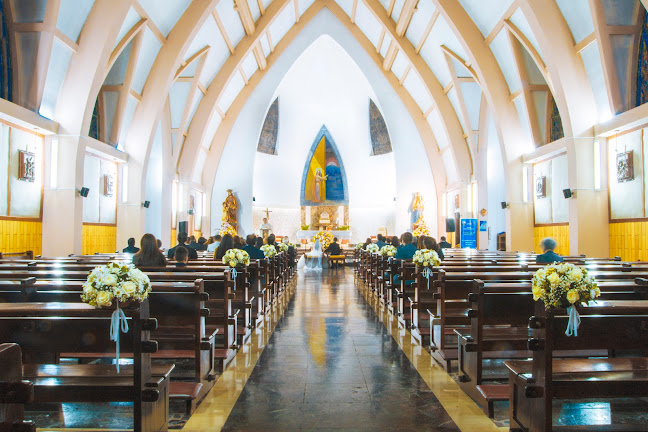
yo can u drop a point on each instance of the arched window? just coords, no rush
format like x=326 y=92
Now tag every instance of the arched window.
x=270 y=130
x=380 y=141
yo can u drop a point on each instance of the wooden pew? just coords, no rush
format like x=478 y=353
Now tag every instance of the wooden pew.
x=45 y=329
x=14 y=391
x=17 y=255
x=607 y=325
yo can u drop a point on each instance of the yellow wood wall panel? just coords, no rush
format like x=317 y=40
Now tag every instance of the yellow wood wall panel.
x=20 y=236
x=629 y=240
x=174 y=238
x=560 y=233
x=99 y=239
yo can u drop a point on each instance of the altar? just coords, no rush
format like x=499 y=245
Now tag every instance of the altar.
x=308 y=234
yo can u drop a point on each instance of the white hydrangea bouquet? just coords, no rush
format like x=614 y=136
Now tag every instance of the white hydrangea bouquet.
x=427 y=259
x=283 y=247
x=388 y=251
x=269 y=250
x=115 y=281
x=236 y=257
x=564 y=285
x=372 y=247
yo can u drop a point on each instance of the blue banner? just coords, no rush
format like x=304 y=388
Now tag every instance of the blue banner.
x=469 y=233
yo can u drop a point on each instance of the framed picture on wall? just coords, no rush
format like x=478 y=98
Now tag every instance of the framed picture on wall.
x=541 y=187
x=109 y=185
x=456 y=201
x=625 y=166
x=26 y=166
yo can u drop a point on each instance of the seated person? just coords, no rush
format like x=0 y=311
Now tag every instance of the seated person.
x=549 y=256
x=407 y=250
x=239 y=243
x=201 y=246
x=181 y=256
x=131 y=246
x=159 y=245
x=226 y=244
x=182 y=241
x=431 y=244
x=292 y=253
x=333 y=249
x=259 y=242
x=254 y=252
x=271 y=241
x=149 y=255
x=444 y=243
x=214 y=244
x=381 y=241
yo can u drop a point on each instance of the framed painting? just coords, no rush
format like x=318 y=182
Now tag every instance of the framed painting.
x=109 y=185
x=625 y=167
x=541 y=187
x=26 y=166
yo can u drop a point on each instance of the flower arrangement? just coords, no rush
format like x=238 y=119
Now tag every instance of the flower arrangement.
x=359 y=245
x=426 y=258
x=325 y=238
x=421 y=230
x=343 y=228
x=372 y=247
x=269 y=250
x=564 y=285
x=227 y=228
x=115 y=281
x=283 y=247
x=388 y=251
x=236 y=257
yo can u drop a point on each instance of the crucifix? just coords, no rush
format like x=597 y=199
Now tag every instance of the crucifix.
x=267 y=212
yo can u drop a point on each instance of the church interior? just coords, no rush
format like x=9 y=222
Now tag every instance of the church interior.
x=291 y=215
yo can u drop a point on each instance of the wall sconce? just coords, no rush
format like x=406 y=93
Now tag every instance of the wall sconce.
x=83 y=192
x=568 y=193
x=146 y=204
x=504 y=205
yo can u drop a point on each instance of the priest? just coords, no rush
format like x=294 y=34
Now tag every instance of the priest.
x=265 y=229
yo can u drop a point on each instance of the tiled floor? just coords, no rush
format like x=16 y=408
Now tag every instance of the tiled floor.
x=331 y=364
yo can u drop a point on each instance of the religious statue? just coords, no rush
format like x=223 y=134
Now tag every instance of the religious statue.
x=229 y=210
x=418 y=221
x=319 y=185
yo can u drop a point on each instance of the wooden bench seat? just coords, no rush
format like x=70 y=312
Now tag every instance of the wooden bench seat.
x=14 y=391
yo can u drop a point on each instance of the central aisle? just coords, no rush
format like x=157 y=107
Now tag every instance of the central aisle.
x=331 y=364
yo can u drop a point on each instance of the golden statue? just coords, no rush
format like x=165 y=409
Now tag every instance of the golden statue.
x=229 y=210
x=418 y=221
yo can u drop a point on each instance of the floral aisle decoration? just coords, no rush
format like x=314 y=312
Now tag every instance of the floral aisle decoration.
x=283 y=247
x=325 y=238
x=227 y=228
x=388 y=251
x=372 y=248
x=564 y=285
x=269 y=250
x=115 y=283
x=234 y=258
x=427 y=259
x=421 y=230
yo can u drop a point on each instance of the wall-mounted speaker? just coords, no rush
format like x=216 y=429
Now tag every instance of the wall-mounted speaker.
x=450 y=225
x=146 y=204
x=567 y=193
x=84 y=192
x=182 y=227
x=504 y=204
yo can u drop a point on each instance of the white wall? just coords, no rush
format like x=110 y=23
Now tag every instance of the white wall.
x=326 y=86
x=154 y=181
x=496 y=186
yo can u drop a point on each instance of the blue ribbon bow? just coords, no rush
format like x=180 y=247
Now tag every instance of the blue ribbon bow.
x=117 y=322
x=574 y=321
x=234 y=274
x=427 y=272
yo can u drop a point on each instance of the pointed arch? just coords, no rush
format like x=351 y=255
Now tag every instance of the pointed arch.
x=324 y=156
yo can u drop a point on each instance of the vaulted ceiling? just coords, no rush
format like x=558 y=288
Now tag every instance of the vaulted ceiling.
x=183 y=65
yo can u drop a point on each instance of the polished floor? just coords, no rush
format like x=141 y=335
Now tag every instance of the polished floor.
x=332 y=364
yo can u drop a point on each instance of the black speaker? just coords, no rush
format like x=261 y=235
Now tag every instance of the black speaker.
x=84 y=192
x=567 y=193
x=182 y=227
x=146 y=204
x=504 y=204
x=450 y=225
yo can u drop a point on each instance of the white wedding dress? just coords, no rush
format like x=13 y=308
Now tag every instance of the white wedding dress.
x=313 y=259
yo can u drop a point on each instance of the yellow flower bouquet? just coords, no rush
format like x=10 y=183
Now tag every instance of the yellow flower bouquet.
x=325 y=238
x=121 y=282
x=564 y=285
x=269 y=250
x=236 y=257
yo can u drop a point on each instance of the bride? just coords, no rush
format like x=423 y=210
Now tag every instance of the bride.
x=313 y=259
